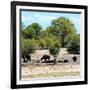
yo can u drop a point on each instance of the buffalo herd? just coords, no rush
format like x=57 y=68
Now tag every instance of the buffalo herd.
x=46 y=59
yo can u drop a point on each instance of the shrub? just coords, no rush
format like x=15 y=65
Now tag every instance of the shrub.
x=28 y=46
x=54 y=49
x=74 y=47
x=42 y=43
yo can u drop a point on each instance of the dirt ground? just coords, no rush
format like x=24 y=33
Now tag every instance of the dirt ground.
x=29 y=72
x=60 y=69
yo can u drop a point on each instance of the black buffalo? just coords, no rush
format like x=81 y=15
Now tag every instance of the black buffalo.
x=23 y=56
x=26 y=58
x=65 y=61
x=45 y=58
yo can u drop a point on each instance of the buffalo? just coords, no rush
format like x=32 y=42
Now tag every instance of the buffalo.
x=26 y=58
x=74 y=58
x=45 y=58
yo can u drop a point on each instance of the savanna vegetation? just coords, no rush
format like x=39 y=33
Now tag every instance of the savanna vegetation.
x=61 y=33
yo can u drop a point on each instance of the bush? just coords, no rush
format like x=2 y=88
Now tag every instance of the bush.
x=74 y=47
x=42 y=43
x=28 y=46
x=54 y=49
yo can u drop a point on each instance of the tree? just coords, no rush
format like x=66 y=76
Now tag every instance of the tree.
x=74 y=44
x=52 y=30
x=42 y=43
x=55 y=48
x=63 y=28
x=46 y=39
x=76 y=37
x=32 y=31
x=28 y=47
x=49 y=41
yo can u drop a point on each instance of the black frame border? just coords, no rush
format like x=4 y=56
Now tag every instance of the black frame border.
x=13 y=44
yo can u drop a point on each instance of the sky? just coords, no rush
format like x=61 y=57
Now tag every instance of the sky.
x=44 y=18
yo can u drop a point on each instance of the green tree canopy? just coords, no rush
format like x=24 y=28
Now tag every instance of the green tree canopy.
x=28 y=46
x=54 y=49
x=32 y=31
x=62 y=28
x=74 y=47
x=60 y=33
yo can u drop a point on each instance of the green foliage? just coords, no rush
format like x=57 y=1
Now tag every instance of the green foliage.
x=43 y=34
x=74 y=47
x=55 y=48
x=32 y=31
x=48 y=41
x=74 y=44
x=42 y=43
x=76 y=38
x=54 y=51
x=63 y=28
x=61 y=33
x=28 y=46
